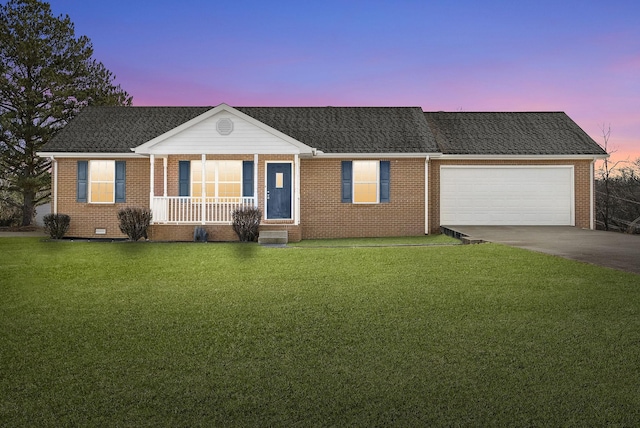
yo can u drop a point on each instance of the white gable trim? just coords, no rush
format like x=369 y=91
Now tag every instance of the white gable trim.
x=297 y=146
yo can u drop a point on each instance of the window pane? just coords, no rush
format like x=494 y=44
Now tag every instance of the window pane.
x=221 y=178
x=230 y=171
x=102 y=192
x=365 y=171
x=229 y=190
x=210 y=188
x=365 y=181
x=196 y=189
x=102 y=170
x=365 y=193
x=102 y=181
x=210 y=173
x=196 y=171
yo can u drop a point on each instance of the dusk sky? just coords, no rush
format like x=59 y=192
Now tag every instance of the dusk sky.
x=580 y=57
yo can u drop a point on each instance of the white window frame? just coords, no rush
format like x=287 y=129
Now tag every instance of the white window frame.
x=216 y=182
x=354 y=182
x=90 y=181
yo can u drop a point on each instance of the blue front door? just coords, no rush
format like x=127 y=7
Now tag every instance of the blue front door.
x=278 y=190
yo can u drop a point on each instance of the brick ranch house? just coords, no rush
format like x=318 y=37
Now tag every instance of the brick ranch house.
x=320 y=172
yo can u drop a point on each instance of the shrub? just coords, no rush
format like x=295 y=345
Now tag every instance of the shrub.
x=134 y=222
x=56 y=225
x=200 y=234
x=246 y=222
x=9 y=215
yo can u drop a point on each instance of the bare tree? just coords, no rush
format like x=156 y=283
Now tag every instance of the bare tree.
x=604 y=200
x=618 y=192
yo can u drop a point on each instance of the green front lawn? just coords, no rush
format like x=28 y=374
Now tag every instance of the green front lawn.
x=150 y=334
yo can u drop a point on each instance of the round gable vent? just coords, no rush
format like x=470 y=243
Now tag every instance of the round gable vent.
x=224 y=126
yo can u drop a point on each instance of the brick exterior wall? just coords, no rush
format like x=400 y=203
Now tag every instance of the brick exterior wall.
x=582 y=186
x=323 y=215
x=86 y=217
x=216 y=232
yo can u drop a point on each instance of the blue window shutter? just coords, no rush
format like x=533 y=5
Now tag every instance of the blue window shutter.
x=347 y=181
x=81 y=186
x=121 y=173
x=184 y=178
x=247 y=179
x=385 y=176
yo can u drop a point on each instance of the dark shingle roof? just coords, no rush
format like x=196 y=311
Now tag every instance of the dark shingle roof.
x=529 y=133
x=117 y=129
x=351 y=129
x=345 y=130
x=329 y=129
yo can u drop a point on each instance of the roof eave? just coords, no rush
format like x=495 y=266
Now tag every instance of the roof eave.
x=92 y=155
x=523 y=157
x=377 y=155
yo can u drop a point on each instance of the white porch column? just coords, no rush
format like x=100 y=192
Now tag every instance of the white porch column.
x=255 y=180
x=203 y=205
x=152 y=163
x=296 y=189
x=426 y=195
x=164 y=175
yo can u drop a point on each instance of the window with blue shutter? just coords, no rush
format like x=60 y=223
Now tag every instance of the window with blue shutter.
x=82 y=181
x=366 y=182
x=247 y=179
x=120 y=182
x=347 y=180
x=184 y=178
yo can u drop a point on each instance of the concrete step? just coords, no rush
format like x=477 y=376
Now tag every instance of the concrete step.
x=273 y=237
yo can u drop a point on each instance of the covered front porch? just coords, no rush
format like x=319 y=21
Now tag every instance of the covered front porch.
x=221 y=161
x=185 y=191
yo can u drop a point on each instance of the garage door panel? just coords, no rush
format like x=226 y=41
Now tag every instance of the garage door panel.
x=506 y=195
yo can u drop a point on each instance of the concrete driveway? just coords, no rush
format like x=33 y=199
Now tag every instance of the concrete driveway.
x=610 y=249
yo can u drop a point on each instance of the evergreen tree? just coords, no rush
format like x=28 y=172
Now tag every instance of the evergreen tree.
x=47 y=75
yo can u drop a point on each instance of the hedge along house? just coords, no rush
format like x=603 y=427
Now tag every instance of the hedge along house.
x=320 y=172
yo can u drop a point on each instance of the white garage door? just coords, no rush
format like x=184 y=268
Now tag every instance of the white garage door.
x=506 y=195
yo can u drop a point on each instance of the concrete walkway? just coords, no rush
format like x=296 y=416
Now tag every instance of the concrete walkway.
x=610 y=249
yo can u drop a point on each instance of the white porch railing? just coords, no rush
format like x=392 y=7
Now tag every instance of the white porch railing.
x=187 y=209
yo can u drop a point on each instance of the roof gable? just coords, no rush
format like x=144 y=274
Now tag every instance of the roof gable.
x=223 y=130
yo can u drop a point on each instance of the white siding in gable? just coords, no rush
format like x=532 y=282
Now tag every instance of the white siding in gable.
x=203 y=137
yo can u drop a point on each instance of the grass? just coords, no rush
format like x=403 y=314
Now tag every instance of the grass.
x=123 y=334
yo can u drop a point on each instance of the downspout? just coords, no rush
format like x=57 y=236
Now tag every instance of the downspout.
x=592 y=206
x=296 y=189
x=426 y=195
x=54 y=208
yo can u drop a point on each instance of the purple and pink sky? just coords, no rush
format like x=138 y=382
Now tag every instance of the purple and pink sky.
x=580 y=57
